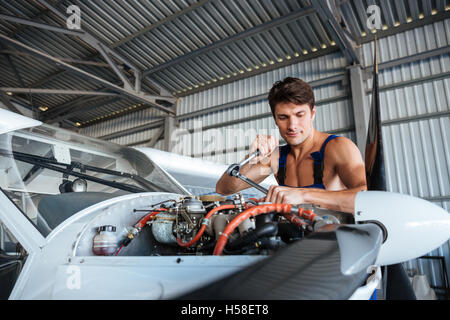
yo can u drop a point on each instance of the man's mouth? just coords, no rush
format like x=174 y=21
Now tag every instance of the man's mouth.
x=292 y=134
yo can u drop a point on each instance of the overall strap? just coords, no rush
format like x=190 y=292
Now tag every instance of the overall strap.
x=318 y=157
x=281 y=175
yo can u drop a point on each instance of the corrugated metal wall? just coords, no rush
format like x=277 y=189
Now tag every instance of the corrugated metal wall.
x=415 y=111
x=231 y=130
x=127 y=122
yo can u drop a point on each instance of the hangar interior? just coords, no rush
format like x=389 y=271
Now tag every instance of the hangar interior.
x=192 y=77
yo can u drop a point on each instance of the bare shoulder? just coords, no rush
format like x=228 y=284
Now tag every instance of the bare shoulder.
x=342 y=149
x=341 y=142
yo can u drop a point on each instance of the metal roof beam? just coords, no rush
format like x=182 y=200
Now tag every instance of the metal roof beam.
x=119 y=73
x=41 y=25
x=20 y=79
x=328 y=15
x=58 y=91
x=50 y=8
x=47 y=78
x=69 y=60
x=81 y=109
x=108 y=52
x=88 y=38
x=239 y=36
x=406 y=26
x=38 y=15
x=126 y=132
x=141 y=97
x=13 y=67
x=409 y=59
x=67 y=106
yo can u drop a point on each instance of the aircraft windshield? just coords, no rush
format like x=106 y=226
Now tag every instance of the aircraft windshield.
x=38 y=162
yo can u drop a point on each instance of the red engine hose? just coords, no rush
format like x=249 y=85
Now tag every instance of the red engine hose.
x=147 y=217
x=294 y=219
x=138 y=227
x=203 y=227
x=250 y=212
x=307 y=214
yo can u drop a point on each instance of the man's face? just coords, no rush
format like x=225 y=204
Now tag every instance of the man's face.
x=295 y=122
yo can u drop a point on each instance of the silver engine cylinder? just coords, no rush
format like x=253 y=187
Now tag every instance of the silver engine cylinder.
x=162 y=228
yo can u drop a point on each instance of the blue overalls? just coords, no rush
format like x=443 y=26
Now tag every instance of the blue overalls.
x=318 y=157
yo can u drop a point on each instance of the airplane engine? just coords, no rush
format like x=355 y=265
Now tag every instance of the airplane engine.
x=195 y=225
x=214 y=225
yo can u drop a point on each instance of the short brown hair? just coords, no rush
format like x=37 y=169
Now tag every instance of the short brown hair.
x=291 y=90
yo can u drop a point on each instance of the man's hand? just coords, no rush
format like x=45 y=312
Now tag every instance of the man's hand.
x=266 y=145
x=341 y=200
x=290 y=195
x=256 y=169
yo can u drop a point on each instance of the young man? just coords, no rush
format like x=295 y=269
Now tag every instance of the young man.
x=314 y=167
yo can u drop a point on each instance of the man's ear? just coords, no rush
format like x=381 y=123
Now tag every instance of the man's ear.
x=313 y=112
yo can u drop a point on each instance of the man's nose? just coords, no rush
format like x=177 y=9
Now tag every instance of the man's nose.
x=293 y=123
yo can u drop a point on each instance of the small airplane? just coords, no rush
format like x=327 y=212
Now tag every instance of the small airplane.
x=82 y=218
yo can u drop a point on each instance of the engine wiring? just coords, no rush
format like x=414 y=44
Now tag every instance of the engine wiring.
x=137 y=228
x=286 y=210
x=204 y=223
x=238 y=210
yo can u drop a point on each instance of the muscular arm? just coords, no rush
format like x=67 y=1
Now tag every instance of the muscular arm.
x=348 y=165
x=342 y=200
x=257 y=169
x=254 y=171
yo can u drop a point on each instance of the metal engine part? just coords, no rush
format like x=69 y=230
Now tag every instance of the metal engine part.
x=162 y=228
x=166 y=225
x=330 y=219
x=185 y=218
x=218 y=224
x=246 y=226
x=193 y=206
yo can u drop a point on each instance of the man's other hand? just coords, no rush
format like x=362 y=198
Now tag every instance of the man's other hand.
x=290 y=195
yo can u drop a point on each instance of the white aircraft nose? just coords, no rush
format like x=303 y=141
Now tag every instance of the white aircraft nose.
x=413 y=226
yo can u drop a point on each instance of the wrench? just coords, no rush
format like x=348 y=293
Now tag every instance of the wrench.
x=234 y=169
